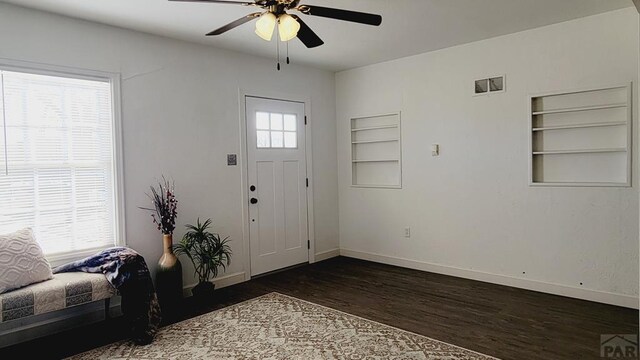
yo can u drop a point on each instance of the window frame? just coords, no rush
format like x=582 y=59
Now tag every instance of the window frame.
x=118 y=160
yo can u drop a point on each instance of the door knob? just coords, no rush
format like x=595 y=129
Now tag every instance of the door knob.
x=252 y=188
x=253 y=201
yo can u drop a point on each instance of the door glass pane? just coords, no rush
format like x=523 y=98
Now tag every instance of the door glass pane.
x=277 y=139
x=290 y=122
x=276 y=121
x=263 y=139
x=275 y=130
x=290 y=140
x=262 y=121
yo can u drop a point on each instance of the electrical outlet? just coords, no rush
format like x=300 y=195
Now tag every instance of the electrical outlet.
x=407 y=232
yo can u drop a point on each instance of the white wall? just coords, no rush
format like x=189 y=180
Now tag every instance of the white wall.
x=471 y=211
x=180 y=109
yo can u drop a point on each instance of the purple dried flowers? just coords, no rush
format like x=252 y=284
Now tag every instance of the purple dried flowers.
x=165 y=206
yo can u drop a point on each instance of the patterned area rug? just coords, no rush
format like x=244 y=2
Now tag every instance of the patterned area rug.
x=277 y=326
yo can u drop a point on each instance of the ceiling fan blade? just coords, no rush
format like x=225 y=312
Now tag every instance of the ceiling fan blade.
x=218 y=2
x=345 y=15
x=306 y=35
x=229 y=26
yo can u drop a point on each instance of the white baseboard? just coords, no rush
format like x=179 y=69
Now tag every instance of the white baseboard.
x=327 y=254
x=220 y=282
x=556 y=289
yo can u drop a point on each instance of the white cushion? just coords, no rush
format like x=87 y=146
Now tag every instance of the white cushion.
x=22 y=262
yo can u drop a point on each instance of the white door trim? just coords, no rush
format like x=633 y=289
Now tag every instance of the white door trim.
x=243 y=163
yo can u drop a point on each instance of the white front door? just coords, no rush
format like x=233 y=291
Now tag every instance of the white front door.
x=277 y=170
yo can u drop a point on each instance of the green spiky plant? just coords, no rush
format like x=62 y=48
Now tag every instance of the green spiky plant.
x=207 y=251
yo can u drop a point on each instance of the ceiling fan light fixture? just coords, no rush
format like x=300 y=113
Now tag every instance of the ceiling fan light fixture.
x=265 y=25
x=288 y=27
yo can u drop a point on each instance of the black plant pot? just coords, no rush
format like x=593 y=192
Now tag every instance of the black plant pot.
x=203 y=292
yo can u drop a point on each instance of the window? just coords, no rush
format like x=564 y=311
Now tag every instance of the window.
x=276 y=131
x=57 y=172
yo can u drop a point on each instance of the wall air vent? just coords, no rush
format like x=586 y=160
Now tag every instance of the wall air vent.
x=490 y=85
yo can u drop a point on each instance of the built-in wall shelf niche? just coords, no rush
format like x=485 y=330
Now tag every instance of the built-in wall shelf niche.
x=581 y=138
x=376 y=151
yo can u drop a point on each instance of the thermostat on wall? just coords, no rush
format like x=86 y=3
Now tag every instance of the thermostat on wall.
x=232 y=159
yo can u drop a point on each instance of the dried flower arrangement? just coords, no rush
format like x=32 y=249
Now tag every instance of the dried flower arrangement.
x=165 y=208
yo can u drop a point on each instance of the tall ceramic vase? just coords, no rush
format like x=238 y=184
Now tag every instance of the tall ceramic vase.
x=169 y=279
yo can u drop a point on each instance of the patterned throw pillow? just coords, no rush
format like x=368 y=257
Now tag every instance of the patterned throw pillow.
x=22 y=262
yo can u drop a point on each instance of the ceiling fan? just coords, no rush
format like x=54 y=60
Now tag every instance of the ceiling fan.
x=289 y=26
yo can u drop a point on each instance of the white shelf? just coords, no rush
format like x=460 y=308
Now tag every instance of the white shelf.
x=379 y=163
x=580 y=184
x=582 y=108
x=374 y=141
x=374 y=161
x=581 y=151
x=599 y=157
x=375 y=127
x=373 y=186
x=581 y=126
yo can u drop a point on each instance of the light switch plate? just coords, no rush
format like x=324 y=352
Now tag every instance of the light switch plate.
x=435 y=150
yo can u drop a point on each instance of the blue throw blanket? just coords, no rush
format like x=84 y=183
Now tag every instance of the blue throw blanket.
x=127 y=271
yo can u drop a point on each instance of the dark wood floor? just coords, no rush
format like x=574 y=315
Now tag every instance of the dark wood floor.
x=496 y=320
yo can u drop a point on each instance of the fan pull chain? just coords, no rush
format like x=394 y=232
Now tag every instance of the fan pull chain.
x=278 y=49
x=288 y=62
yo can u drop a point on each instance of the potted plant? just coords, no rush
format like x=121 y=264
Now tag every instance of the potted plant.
x=208 y=253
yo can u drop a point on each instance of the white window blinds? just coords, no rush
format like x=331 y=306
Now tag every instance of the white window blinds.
x=56 y=168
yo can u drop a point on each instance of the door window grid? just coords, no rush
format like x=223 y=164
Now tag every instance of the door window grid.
x=276 y=130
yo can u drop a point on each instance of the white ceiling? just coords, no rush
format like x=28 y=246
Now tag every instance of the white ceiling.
x=409 y=27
